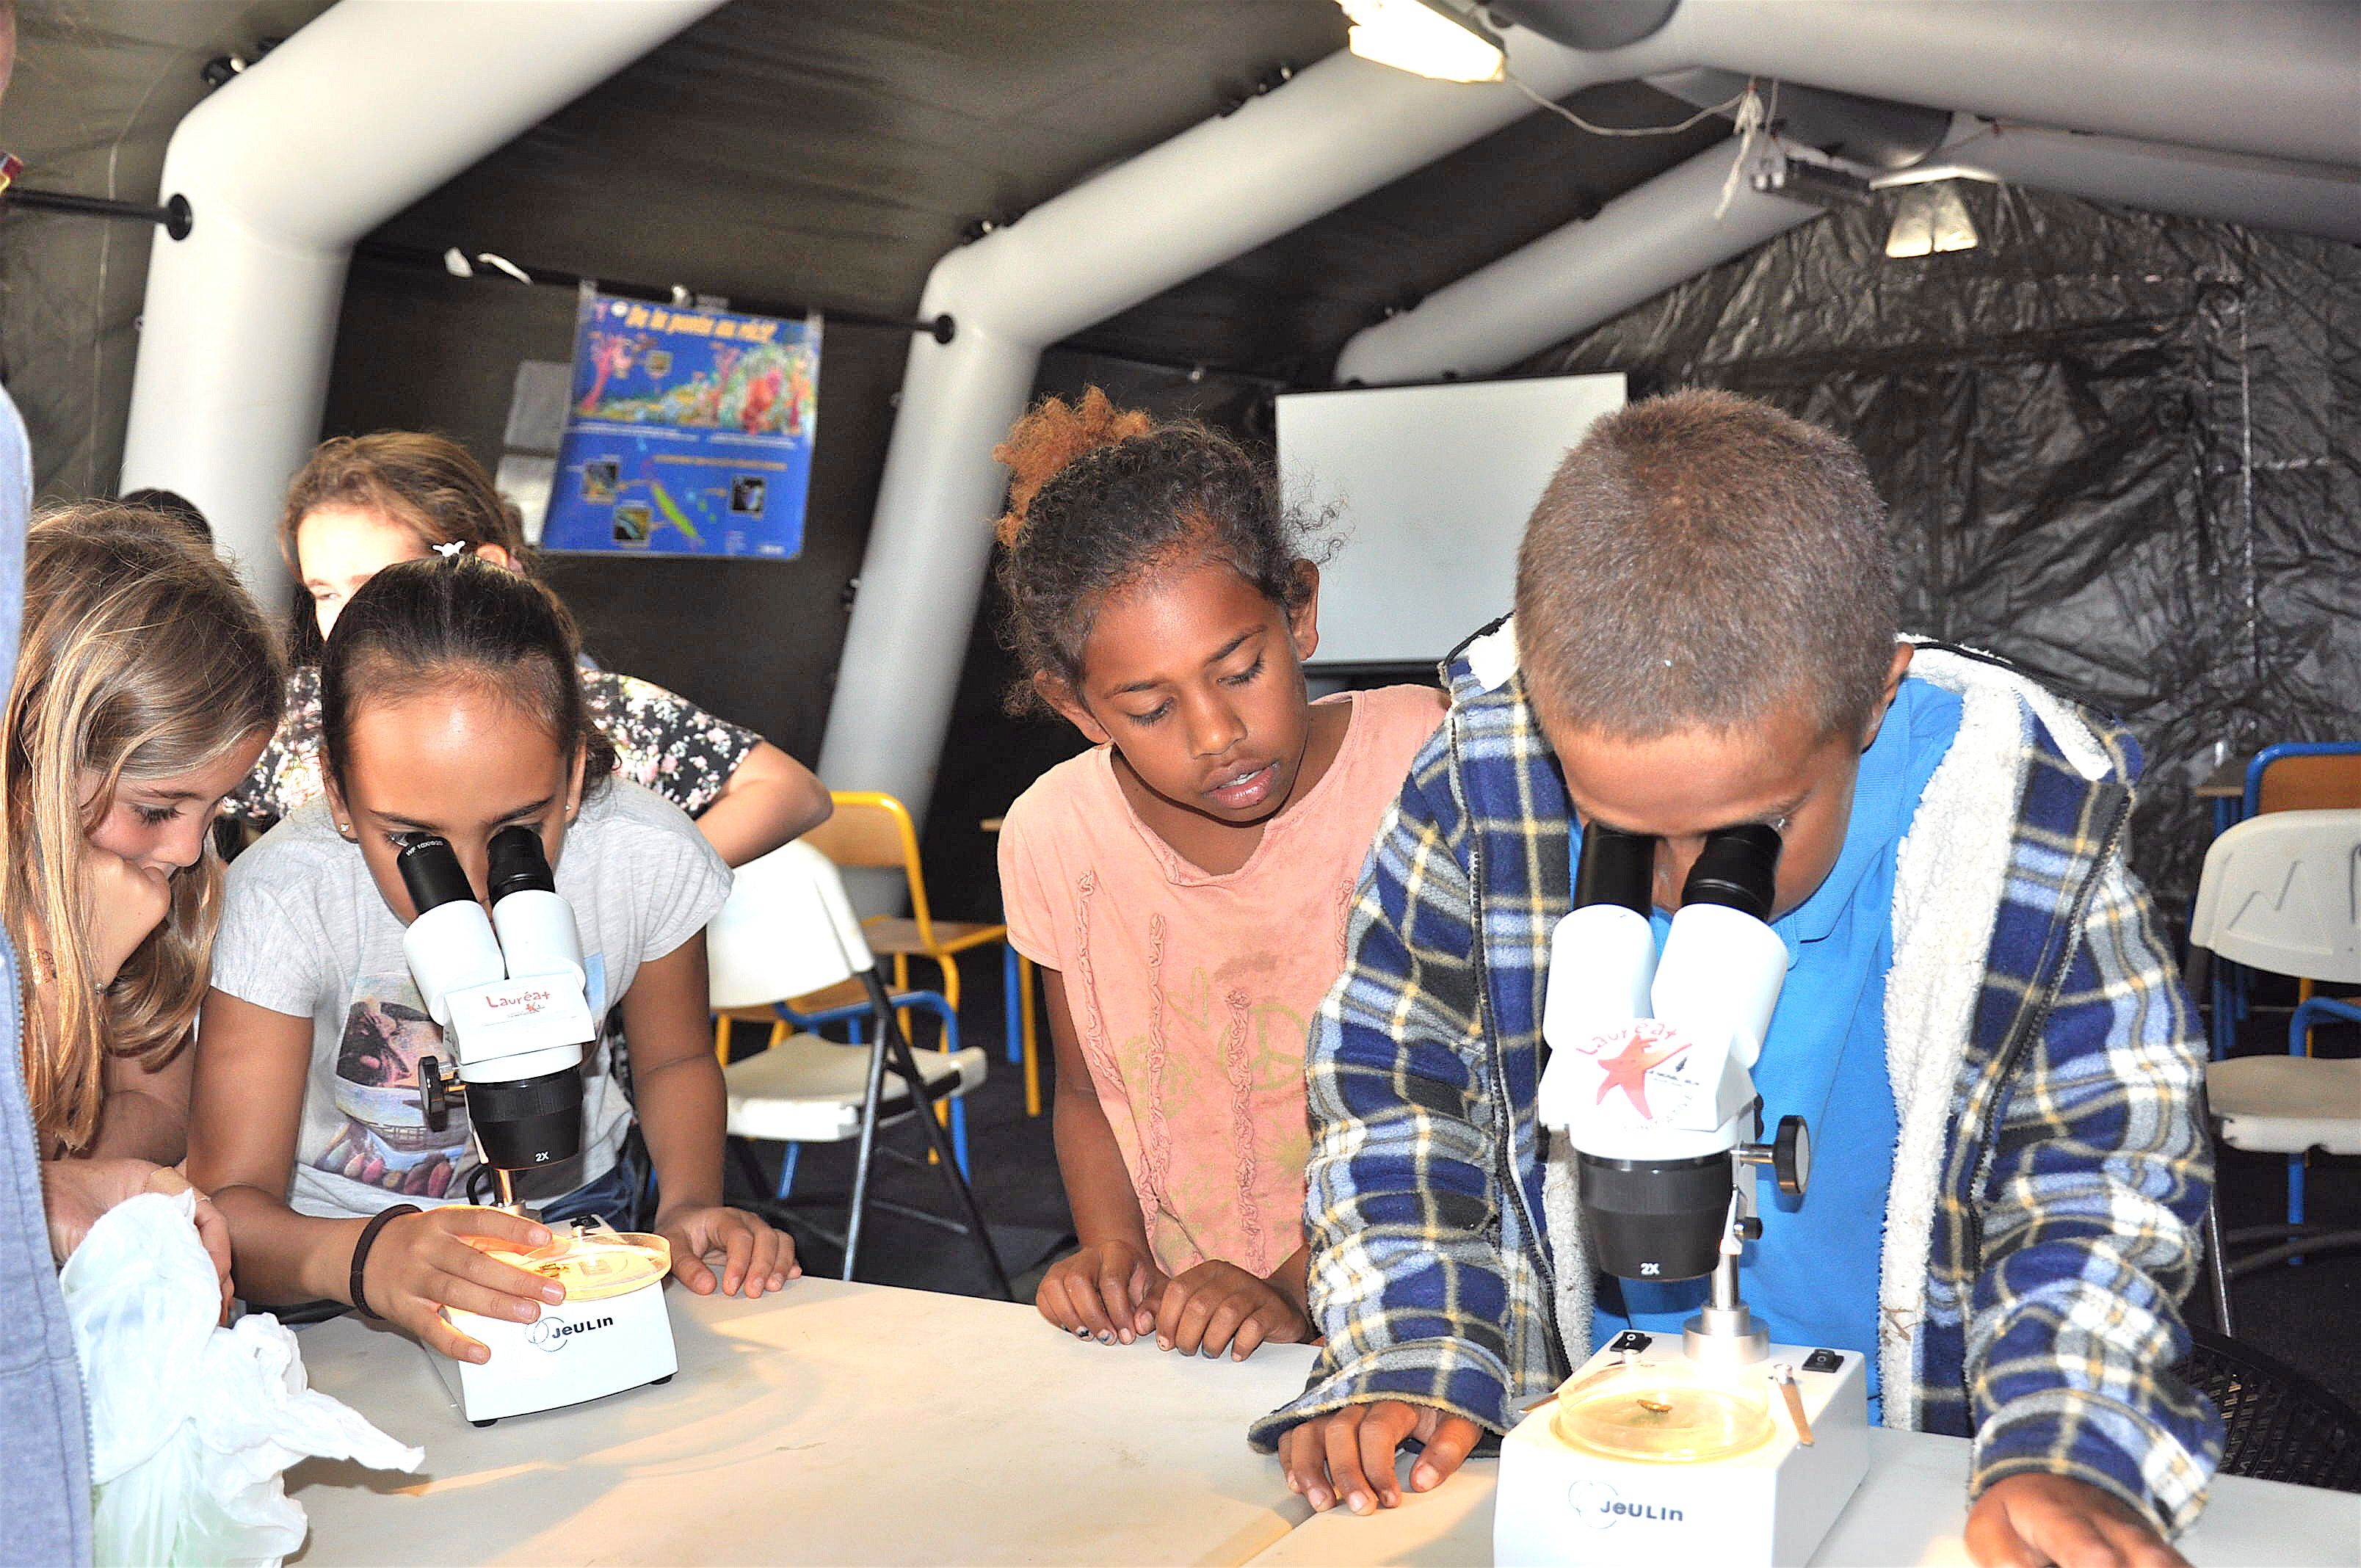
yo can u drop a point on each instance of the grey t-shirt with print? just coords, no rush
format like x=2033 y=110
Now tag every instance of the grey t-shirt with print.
x=306 y=933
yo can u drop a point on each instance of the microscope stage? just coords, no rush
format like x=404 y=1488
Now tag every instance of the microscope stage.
x=1652 y=1460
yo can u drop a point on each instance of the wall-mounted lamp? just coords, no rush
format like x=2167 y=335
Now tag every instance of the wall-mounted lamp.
x=1428 y=38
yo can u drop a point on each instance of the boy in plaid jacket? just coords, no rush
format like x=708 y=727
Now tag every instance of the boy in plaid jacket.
x=1978 y=1005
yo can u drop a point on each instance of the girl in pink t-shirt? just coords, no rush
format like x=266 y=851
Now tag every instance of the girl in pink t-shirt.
x=1183 y=886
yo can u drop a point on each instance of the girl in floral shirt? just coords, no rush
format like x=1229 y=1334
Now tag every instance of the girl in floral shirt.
x=362 y=503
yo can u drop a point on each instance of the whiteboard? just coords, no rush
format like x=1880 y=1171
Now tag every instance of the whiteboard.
x=1429 y=488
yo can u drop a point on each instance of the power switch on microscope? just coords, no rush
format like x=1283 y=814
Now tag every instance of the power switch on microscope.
x=1824 y=1361
x=1630 y=1339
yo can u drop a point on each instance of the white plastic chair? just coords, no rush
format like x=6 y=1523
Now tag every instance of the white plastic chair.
x=788 y=930
x=2283 y=892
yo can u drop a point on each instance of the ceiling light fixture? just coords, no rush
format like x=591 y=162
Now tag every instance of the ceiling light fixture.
x=1428 y=38
x=1928 y=220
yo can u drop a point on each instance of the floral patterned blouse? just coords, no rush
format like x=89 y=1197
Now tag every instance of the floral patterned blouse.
x=661 y=740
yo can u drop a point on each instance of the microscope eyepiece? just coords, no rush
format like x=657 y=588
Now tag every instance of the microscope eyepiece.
x=518 y=864
x=1739 y=868
x=1616 y=868
x=431 y=872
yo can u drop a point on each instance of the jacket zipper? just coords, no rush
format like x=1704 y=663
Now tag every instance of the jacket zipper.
x=1503 y=1115
x=1988 y=1136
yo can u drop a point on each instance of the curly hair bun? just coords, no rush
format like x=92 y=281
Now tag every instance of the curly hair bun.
x=1046 y=440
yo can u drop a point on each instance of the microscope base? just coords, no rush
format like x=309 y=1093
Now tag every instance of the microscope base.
x=1772 y=1504
x=572 y=1353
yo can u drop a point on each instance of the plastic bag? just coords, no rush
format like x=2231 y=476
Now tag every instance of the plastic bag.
x=192 y=1425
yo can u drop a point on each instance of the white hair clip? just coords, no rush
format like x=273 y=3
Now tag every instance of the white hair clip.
x=449 y=550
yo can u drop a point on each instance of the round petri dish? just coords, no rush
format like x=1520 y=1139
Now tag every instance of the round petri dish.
x=592 y=1267
x=1662 y=1416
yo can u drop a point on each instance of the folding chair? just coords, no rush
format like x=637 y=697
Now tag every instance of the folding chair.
x=2283 y=892
x=788 y=930
x=2292 y=775
x=875 y=831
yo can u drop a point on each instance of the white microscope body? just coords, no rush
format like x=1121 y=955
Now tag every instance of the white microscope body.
x=508 y=990
x=1721 y=1446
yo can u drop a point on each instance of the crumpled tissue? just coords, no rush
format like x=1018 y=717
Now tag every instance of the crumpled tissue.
x=191 y=1424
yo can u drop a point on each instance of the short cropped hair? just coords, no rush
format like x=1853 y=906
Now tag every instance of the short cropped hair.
x=1702 y=561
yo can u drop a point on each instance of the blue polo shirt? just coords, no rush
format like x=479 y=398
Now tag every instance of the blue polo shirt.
x=1812 y=1278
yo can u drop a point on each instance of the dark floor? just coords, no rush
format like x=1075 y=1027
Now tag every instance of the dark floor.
x=2309 y=1316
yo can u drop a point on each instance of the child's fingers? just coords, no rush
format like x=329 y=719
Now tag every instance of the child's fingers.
x=1303 y=1457
x=497 y=1224
x=1342 y=1448
x=1178 y=1294
x=1050 y=1301
x=433 y=1331
x=496 y=1278
x=766 y=1262
x=1083 y=1299
x=1271 y=1323
x=1446 y=1451
x=1228 y=1317
x=737 y=1248
x=1188 y=1326
x=483 y=1300
x=1381 y=1435
x=689 y=1269
x=1114 y=1293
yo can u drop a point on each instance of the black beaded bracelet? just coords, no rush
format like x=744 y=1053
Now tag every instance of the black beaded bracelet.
x=361 y=1251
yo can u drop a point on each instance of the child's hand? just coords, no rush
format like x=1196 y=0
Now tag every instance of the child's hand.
x=2032 y=1519
x=75 y=1192
x=1102 y=1292
x=123 y=903
x=751 y=1256
x=1347 y=1456
x=1218 y=1305
x=423 y=1262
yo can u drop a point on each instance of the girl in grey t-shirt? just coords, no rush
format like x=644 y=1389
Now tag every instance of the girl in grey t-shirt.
x=452 y=706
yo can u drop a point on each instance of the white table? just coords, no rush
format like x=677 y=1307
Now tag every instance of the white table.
x=856 y=1423
x=1910 y=1509
x=834 y=1423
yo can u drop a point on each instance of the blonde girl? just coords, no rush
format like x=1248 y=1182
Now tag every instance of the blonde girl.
x=146 y=685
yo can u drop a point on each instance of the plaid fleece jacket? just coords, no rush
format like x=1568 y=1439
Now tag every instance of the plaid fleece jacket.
x=2064 y=1160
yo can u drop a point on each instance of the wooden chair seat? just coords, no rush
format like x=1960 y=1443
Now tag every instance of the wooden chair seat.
x=899 y=934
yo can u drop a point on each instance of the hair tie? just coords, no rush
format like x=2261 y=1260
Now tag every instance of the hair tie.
x=452 y=549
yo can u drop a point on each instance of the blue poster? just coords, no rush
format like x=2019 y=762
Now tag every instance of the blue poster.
x=689 y=432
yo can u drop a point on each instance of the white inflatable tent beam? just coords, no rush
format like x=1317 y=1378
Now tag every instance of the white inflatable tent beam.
x=1666 y=232
x=2259 y=77
x=365 y=109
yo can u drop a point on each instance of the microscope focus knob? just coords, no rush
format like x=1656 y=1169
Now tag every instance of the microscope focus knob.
x=1791 y=1155
x=436 y=1100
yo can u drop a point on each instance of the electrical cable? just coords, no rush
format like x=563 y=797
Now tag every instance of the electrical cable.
x=1554 y=107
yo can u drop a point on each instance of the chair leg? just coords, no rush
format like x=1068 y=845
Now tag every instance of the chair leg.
x=2217 y=1270
x=949 y=965
x=868 y=1146
x=891 y=1038
x=1026 y=1008
x=788 y=1159
x=959 y=1137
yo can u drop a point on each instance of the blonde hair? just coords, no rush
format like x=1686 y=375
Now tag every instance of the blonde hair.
x=141 y=658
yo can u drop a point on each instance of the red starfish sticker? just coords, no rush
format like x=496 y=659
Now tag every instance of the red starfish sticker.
x=1628 y=1070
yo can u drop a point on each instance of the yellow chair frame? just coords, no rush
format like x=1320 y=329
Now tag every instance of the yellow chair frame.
x=874 y=830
